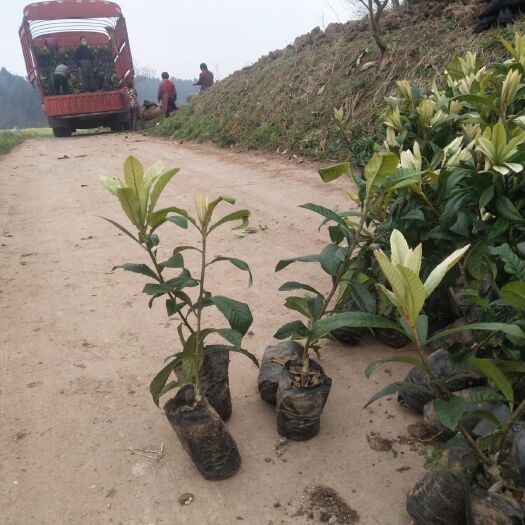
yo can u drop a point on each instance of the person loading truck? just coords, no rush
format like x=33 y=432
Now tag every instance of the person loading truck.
x=85 y=62
x=205 y=78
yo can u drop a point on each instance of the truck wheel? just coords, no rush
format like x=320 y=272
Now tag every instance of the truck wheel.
x=62 y=132
x=116 y=126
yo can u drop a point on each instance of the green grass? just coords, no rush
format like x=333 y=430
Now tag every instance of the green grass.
x=11 y=139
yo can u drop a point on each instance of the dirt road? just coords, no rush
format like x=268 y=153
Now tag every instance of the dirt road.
x=79 y=347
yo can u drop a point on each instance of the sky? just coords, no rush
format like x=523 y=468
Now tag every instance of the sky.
x=176 y=36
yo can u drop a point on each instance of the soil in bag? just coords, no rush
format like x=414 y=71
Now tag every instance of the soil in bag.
x=299 y=408
x=490 y=508
x=439 y=497
x=272 y=365
x=203 y=435
x=216 y=381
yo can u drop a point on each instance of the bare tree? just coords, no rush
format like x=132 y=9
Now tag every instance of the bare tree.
x=395 y=5
x=375 y=9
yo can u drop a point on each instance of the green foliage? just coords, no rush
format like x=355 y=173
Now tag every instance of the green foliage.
x=138 y=194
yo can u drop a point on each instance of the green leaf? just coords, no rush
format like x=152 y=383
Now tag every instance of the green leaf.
x=160 y=184
x=221 y=348
x=334 y=172
x=506 y=208
x=293 y=330
x=408 y=359
x=232 y=336
x=513 y=294
x=450 y=412
x=361 y=296
x=184 y=280
x=236 y=313
x=283 y=263
x=134 y=179
x=175 y=261
x=494 y=374
x=398 y=386
x=293 y=285
x=486 y=196
x=172 y=307
x=326 y=213
x=353 y=320
x=331 y=259
x=299 y=304
x=481 y=396
x=122 y=229
x=138 y=268
x=242 y=265
x=378 y=168
x=159 y=381
x=240 y=215
x=507 y=328
x=514 y=265
x=422 y=328
x=179 y=221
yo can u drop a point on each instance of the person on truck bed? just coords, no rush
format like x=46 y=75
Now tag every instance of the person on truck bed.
x=60 y=77
x=205 y=78
x=167 y=94
x=85 y=62
x=130 y=94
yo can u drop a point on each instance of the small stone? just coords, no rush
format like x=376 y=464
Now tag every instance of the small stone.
x=186 y=498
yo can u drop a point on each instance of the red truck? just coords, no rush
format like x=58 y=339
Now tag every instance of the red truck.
x=50 y=33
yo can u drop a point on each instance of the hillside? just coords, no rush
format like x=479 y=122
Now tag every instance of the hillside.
x=20 y=103
x=286 y=99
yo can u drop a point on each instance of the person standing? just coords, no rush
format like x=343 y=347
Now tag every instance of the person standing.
x=60 y=76
x=167 y=95
x=130 y=95
x=85 y=62
x=205 y=78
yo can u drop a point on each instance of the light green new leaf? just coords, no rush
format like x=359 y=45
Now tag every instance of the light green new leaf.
x=399 y=247
x=131 y=205
x=152 y=173
x=109 y=183
x=378 y=168
x=159 y=186
x=134 y=179
x=439 y=272
x=334 y=172
x=414 y=292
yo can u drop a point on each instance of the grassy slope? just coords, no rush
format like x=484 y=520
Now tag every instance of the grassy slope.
x=287 y=102
x=11 y=139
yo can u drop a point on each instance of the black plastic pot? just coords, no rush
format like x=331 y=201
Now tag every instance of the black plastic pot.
x=439 y=497
x=391 y=338
x=349 y=336
x=272 y=365
x=203 y=435
x=489 y=508
x=299 y=408
x=442 y=367
x=216 y=381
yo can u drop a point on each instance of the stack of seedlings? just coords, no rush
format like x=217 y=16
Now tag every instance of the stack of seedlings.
x=200 y=369
x=103 y=67
x=457 y=185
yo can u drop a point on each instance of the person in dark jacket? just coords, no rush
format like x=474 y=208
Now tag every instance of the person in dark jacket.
x=205 y=78
x=85 y=62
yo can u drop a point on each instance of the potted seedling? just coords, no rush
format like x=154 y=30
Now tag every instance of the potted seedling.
x=486 y=442
x=304 y=387
x=194 y=419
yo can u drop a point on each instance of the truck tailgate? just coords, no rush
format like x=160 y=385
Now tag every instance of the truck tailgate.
x=82 y=103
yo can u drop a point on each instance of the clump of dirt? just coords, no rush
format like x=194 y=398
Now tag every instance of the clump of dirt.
x=324 y=505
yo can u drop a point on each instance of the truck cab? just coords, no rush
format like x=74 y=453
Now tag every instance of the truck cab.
x=50 y=35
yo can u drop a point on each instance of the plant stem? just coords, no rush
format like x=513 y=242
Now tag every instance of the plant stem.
x=200 y=307
x=158 y=269
x=473 y=444
x=515 y=415
x=305 y=372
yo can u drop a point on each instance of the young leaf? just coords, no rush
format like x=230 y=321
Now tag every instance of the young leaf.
x=334 y=172
x=408 y=359
x=379 y=167
x=513 y=294
x=159 y=381
x=122 y=229
x=134 y=179
x=138 y=268
x=160 y=184
x=494 y=374
x=236 y=313
x=179 y=221
x=449 y=412
x=283 y=263
x=398 y=386
x=237 y=263
x=239 y=215
x=353 y=320
x=293 y=330
x=293 y=285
